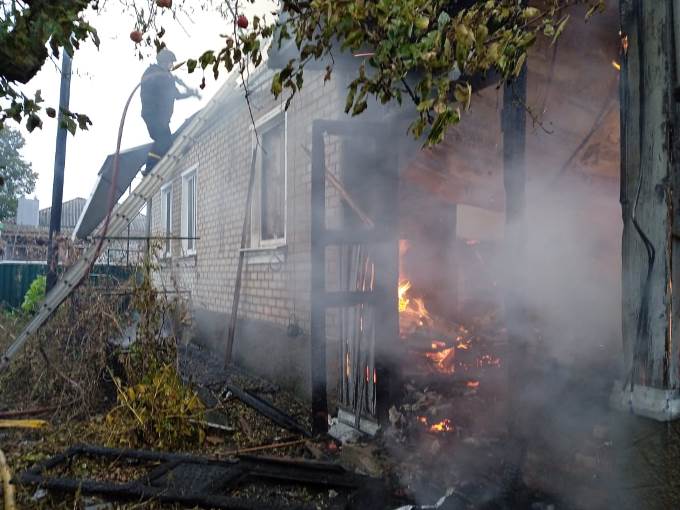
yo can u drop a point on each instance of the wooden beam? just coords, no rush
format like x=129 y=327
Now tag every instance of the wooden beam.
x=646 y=192
x=231 y=332
x=318 y=282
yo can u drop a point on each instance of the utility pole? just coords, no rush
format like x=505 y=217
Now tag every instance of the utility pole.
x=58 y=182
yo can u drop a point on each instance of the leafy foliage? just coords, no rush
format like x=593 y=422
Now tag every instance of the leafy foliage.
x=19 y=178
x=159 y=411
x=27 y=29
x=65 y=362
x=424 y=51
x=154 y=407
x=34 y=295
x=75 y=354
x=421 y=49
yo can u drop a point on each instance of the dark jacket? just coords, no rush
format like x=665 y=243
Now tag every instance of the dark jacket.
x=158 y=93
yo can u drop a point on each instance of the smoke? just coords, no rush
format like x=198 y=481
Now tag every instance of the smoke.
x=555 y=296
x=571 y=268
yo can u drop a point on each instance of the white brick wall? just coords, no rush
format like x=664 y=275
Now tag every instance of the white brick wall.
x=223 y=155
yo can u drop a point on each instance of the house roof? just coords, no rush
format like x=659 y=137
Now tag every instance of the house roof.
x=130 y=161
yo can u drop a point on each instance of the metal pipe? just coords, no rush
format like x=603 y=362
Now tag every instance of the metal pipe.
x=58 y=181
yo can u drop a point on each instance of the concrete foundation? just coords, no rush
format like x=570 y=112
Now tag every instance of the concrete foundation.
x=654 y=403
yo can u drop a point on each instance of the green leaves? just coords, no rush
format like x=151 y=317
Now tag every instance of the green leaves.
x=276 y=87
x=429 y=43
x=73 y=121
x=463 y=94
x=33 y=121
x=34 y=295
x=560 y=28
x=160 y=412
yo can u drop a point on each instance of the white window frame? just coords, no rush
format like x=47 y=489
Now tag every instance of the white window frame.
x=270 y=119
x=191 y=172
x=166 y=190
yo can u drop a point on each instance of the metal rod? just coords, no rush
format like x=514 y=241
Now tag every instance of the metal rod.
x=145 y=238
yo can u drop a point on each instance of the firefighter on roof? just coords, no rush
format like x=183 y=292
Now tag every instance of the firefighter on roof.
x=158 y=93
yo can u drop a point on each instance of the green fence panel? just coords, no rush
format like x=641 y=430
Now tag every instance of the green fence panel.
x=16 y=278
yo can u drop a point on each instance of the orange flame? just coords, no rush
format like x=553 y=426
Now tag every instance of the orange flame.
x=404 y=287
x=412 y=307
x=443 y=426
x=624 y=42
x=443 y=359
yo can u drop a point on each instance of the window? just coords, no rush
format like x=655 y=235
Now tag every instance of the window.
x=189 y=211
x=268 y=227
x=166 y=217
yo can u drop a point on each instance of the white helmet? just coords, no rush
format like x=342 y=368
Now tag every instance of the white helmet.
x=165 y=57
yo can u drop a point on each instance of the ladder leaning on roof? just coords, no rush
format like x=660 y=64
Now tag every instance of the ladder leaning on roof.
x=121 y=215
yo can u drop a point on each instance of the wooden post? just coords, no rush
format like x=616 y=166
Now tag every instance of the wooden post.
x=386 y=259
x=649 y=205
x=513 y=124
x=514 y=179
x=233 y=321
x=514 y=168
x=318 y=283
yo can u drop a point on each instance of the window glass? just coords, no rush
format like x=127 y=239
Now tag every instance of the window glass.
x=166 y=212
x=272 y=197
x=191 y=211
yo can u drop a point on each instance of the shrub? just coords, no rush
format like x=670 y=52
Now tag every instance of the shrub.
x=160 y=411
x=34 y=295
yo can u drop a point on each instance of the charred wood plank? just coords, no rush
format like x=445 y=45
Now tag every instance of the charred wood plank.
x=137 y=491
x=267 y=409
x=211 y=490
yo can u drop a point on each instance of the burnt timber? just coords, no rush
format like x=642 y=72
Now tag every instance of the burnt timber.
x=199 y=481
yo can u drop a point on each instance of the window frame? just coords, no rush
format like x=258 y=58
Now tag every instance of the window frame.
x=188 y=174
x=273 y=118
x=166 y=219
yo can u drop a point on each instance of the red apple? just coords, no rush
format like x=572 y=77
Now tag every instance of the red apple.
x=242 y=21
x=136 y=36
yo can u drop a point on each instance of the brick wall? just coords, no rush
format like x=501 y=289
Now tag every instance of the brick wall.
x=275 y=290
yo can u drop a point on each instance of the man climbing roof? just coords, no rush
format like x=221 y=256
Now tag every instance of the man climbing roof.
x=158 y=93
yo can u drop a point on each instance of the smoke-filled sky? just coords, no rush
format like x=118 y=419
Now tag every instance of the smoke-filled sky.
x=102 y=80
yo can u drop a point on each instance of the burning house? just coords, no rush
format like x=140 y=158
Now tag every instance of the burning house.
x=462 y=304
x=368 y=260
